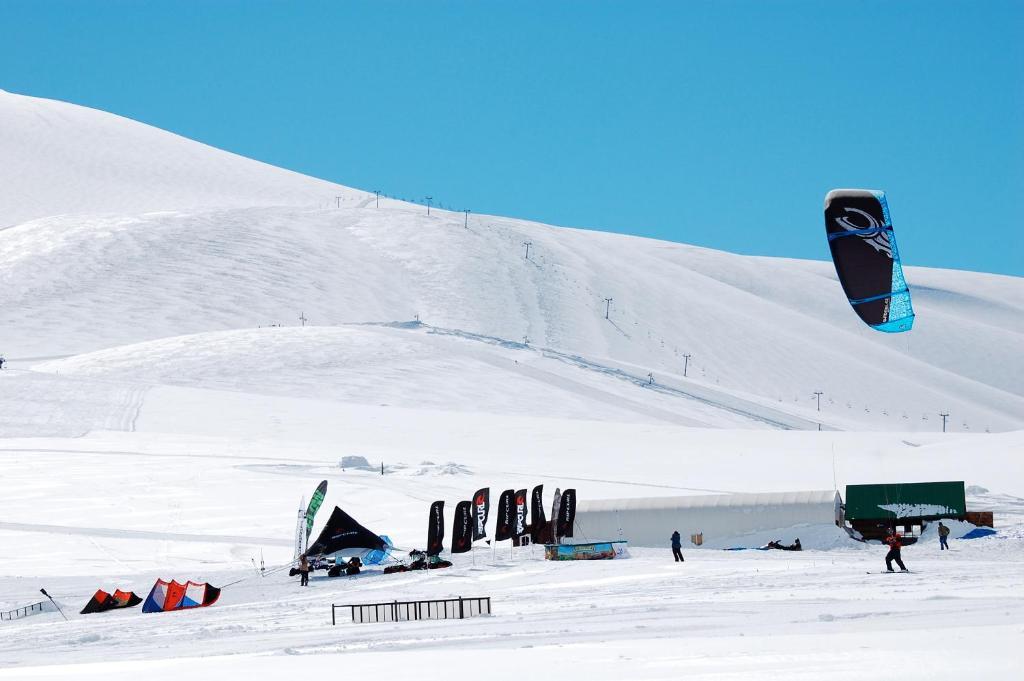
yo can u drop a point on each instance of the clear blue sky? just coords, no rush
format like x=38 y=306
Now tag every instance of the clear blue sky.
x=715 y=123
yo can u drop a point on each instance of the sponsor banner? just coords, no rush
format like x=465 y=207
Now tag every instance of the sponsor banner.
x=505 y=525
x=462 y=529
x=596 y=551
x=435 y=529
x=481 y=508
x=520 y=517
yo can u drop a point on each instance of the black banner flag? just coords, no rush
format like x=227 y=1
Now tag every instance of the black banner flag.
x=435 y=531
x=481 y=509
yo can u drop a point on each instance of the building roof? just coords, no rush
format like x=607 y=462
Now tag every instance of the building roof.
x=710 y=501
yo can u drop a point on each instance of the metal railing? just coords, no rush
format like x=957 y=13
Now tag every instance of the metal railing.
x=410 y=611
x=22 y=612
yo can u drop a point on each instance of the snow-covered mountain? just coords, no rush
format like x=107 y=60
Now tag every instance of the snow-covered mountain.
x=196 y=340
x=140 y=235
x=61 y=158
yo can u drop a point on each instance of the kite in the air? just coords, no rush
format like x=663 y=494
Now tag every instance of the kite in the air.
x=868 y=264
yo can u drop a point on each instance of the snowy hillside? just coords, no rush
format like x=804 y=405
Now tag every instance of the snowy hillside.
x=62 y=158
x=195 y=340
x=774 y=330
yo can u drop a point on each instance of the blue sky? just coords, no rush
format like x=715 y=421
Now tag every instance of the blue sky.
x=720 y=123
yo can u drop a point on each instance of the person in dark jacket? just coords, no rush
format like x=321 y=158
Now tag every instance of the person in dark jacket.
x=943 y=537
x=894 y=542
x=677 y=547
x=304 y=570
x=354 y=564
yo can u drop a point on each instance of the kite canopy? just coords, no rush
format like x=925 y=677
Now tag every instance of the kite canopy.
x=344 y=535
x=101 y=601
x=867 y=261
x=171 y=595
x=378 y=556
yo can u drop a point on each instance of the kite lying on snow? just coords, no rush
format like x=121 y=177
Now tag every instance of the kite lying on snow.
x=174 y=596
x=101 y=601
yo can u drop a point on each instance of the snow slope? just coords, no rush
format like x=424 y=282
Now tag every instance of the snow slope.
x=775 y=330
x=62 y=158
x=195 y=239
x=153 y=424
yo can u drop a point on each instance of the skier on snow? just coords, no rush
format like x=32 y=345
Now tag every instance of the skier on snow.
x=894 y=542
x=943 y=537
x=677 y=547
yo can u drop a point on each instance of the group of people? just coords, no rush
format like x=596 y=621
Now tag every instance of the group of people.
x=351 y=567
x=894 y=541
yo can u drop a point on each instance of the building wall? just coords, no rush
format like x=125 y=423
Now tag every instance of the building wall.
x=650 y=522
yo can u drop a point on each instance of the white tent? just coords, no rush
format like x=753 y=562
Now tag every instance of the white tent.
x=651 y=521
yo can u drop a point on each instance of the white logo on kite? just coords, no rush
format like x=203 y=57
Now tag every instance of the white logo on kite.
x=878 y=240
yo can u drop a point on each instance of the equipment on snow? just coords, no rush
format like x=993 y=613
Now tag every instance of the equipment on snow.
x=167 y=596
x=101 y=601
x=43 y=591
x=345 y=536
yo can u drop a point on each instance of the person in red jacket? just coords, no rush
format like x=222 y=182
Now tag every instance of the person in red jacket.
x=894 y=541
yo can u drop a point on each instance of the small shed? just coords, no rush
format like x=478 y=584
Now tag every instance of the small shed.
x=651 y=521
x=874 y=510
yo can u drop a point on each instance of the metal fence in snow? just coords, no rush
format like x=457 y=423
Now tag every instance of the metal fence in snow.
x=22 y=612
x=409 y=611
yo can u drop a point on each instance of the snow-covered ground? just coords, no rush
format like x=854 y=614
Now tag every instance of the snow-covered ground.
x=154 y=424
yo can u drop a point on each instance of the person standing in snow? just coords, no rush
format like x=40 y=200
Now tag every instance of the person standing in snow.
x=1 y=361
x=895 y=543
x=943 y=537
x=304 y=570
x=677 y=547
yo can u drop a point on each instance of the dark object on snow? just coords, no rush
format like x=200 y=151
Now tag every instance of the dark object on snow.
x=795 y=546
x=101 y=601
x=354 y=564
x=677 y=547
x=505 y=527
x=538 y=527
x=304 y=570
x=343 y=533
x=435 y=529
x=462 y=528
x=566 y=514
x=43 y=591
